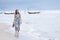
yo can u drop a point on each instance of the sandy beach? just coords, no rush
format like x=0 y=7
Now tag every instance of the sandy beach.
x=5 y=35
x=45 y=26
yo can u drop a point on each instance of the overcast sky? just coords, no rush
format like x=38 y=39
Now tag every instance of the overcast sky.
x=30 y=4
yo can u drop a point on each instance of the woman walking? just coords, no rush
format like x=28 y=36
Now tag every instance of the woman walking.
x=17 y=22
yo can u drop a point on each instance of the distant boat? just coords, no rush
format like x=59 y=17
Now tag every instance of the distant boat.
x=8 y=12
x=34 y=12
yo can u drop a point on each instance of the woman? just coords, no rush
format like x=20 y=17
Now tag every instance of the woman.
x=17 y=22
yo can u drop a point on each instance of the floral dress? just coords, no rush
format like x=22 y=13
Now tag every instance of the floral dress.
x=17 y=22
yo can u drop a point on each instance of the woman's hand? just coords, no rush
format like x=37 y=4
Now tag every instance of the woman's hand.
x=13 y=25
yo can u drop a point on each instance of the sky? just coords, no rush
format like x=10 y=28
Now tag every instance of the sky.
x=30 y=4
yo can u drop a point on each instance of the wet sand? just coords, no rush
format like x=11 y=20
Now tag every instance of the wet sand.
x=5 y=35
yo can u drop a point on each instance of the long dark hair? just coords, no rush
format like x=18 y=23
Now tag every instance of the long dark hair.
x=16 y=12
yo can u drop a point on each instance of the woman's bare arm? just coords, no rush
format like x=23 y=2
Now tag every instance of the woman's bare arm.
x=14 y=20
x=20 y=20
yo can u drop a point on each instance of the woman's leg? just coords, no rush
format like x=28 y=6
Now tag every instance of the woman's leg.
x=15 y=33
x=17 y=28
